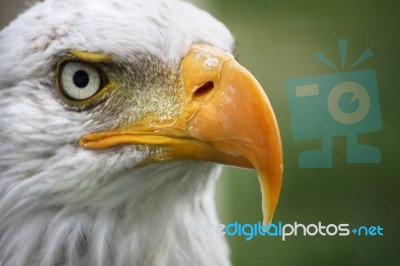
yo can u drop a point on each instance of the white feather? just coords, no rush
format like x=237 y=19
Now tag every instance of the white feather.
x=64 y=205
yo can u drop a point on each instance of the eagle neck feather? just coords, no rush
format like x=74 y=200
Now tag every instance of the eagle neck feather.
x=146 y=216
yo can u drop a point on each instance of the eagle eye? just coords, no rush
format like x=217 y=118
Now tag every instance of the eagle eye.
x=79 y=81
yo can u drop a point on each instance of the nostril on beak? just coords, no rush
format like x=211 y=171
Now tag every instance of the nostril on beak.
x=203 y=91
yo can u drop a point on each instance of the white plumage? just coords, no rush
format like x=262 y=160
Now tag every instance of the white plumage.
x=61 y=204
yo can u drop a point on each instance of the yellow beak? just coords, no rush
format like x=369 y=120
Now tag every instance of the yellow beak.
x=226 y=118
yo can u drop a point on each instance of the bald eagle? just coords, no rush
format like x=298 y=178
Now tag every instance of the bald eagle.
x=115 y=119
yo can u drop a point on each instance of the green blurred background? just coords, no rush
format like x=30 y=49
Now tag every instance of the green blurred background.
x=277 y=40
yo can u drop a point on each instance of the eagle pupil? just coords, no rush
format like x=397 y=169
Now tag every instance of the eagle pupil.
x=81 y=79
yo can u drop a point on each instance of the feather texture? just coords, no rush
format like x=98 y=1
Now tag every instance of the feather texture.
x=63 y=205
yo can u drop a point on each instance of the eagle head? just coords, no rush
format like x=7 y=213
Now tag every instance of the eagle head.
x=115 y=118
